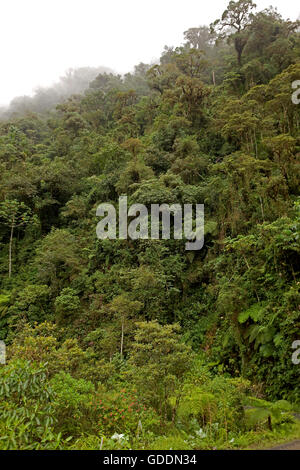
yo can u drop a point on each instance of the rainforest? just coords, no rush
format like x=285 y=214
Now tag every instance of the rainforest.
x=139 y=343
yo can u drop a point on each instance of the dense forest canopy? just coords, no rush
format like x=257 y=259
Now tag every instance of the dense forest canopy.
x=142 y=338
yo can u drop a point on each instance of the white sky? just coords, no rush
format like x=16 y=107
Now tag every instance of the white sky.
x=41 y=39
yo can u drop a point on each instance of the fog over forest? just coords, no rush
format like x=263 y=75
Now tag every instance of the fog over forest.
x=126 y=323
x=75 y=81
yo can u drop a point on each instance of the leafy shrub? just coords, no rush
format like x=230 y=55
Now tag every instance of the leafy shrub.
x=123 y=412
x=66 y=304
x=197 y=404
x=262 y=414
x=26 y=407
x=73 y=399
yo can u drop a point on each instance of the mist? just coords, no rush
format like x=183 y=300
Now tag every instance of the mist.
x=41 y=40
x=75 y=81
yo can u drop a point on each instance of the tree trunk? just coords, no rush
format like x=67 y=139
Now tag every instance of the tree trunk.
x=270 y=423
x=122 y=338
x=239 y=47
x=10 y=249
x=239 y=57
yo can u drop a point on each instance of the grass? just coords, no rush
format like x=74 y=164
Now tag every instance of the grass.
x=266 y=440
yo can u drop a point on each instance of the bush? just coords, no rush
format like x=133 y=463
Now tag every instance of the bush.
x=26 y=407
x=73 y=409
x=123 y=412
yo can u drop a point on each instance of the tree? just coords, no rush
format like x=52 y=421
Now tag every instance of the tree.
x=66 y=304
x=271 y=42
x=199 y=38
x=234 y=24
x=134 y=146
x=123 y=310
x=57 y=258
x=192 y=94
x=14 y=215
x=191 y=62
x=160 y=361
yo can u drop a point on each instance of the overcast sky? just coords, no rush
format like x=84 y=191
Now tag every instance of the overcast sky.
x=41 y=39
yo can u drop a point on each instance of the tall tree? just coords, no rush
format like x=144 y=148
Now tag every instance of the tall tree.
x=199 y=38
x=124 y=309
x=14 y=214
x=234 y=23
x=160 y=361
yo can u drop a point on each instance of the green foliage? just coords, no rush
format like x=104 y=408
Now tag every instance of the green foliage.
x=195 y=333
x=40 y=344
x=123 y=412
x=263 y=413
x=170 y=443
x=27 y=408
x=159 y=362
x=66 y=304
x=73 y=399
